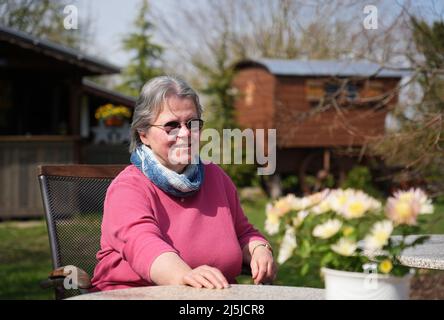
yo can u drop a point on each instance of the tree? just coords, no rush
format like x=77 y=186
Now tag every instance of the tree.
x=146 y=60
x=204 y=49
x=418 y=145
x=232 y=30
x=44 y=19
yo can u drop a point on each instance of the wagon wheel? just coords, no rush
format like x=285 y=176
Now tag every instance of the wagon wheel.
x=319 y=165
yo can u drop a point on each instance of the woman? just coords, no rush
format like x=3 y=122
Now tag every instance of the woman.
x=169 y=220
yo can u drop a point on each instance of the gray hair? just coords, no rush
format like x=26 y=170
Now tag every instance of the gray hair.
x=151 y=100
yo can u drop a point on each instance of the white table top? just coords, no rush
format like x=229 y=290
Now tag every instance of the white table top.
x=429 y=255
x=234 y=292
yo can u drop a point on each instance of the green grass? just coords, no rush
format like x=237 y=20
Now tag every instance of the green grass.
x=435 y=222
x=25 y=256
x=24 y=260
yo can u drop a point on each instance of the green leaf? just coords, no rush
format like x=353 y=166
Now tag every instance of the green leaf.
x=305 y=268
x=420 y=240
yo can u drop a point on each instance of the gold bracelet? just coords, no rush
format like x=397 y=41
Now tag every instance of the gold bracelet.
x=266 y=245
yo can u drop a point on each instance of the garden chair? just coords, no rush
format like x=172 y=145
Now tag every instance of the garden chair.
x=73 y=197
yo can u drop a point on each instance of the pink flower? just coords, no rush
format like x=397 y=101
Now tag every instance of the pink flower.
x=404 y=207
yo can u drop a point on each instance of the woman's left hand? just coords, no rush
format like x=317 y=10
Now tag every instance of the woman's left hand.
x=263 y=267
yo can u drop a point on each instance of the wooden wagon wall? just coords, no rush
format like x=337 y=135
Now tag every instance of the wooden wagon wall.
x=311 y=138
x=297 y=127
x=269 y=101
x=19 y=157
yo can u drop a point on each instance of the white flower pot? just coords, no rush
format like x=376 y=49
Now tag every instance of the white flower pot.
x=344 y=285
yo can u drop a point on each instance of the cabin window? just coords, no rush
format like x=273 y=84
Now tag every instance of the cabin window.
x=32 y=107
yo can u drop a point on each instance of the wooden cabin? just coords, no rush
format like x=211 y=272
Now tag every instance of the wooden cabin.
x=47 y=111
x=321 y=111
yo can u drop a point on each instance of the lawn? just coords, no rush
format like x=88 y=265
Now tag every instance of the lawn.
x=25 y=256
x=24 y=260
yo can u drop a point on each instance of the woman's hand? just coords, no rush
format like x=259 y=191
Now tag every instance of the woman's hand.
x=205 y=277
x=263 y=267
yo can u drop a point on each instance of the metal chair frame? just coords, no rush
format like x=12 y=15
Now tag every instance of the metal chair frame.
x=47 y=173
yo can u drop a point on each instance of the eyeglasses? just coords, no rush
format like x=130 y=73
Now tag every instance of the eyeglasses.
x=192 y=125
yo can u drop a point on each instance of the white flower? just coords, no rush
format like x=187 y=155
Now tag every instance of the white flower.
x=353 y=203
x=317 y=197
x=272 y=226
x=344 y=247
x=379 y=235
x=321 y=208
x=291 y=199
x=283 y=206
x=375 y=205
x=327 y=229
x=336 y=199
x=354 y=208
x=304 y=203
x=296 y=203
x=297 y=221
x=288 y=245
x=272 y=221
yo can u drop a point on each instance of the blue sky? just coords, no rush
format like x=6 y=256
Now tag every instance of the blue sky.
x=111 y=19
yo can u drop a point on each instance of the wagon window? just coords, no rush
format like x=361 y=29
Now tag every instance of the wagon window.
x=331 y=89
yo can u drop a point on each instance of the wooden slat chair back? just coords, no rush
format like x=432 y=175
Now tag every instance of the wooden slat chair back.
x=73 y=197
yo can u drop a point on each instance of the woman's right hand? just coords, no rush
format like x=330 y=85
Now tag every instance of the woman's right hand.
x=205 y=277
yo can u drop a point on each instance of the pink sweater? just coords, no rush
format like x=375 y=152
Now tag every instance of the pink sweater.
x=140 y=222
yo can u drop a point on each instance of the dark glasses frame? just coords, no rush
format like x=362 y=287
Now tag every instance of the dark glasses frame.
x=172 y=125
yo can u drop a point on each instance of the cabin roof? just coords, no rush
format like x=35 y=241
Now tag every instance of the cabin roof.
x=95 y=89
x=60 y=52
x=324 y=68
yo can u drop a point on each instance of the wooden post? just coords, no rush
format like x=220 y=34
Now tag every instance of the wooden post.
x=74 y=107
x=275 y=186
x=327 y=160
x=75 y=94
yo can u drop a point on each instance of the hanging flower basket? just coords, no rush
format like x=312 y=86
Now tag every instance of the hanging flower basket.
x=114 y=122
x=113 y=116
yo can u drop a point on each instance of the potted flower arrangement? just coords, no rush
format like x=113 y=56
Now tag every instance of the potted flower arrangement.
x=351 y=235
x=112 y=115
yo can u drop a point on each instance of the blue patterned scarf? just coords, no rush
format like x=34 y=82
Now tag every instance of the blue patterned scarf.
x=177 y=184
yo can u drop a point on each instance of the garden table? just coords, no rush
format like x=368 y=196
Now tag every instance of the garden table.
x=234 y=292
x=429 y=255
